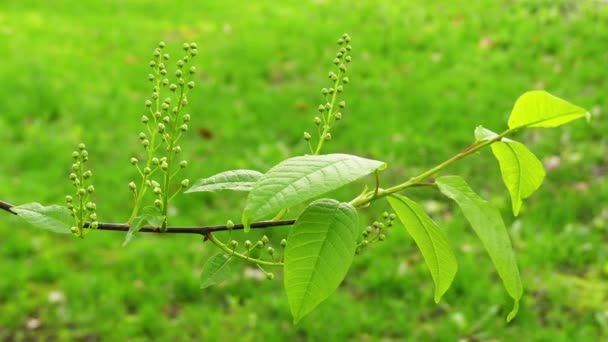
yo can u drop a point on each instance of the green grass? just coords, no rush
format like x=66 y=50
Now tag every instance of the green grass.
x=423 y=76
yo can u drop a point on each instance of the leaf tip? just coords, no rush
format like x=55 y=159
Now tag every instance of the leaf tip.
x=513 y=312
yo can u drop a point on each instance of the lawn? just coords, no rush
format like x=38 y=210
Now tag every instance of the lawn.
x=423 y=76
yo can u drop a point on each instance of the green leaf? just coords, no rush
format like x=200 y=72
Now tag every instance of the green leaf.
x=538 y=108
x=521 y=171
x=320 y=249
x=487 y=223
x=299 y=179
x=216 y=270
x=55 y=218
x=236 y=180
x=484 y=134
x=150 y=216
x=431 y=241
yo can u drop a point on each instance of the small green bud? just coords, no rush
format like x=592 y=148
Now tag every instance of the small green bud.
x=155 y=96
x=186 y=117
x=186 y=46
x=68 y=199
x=376 y=224
x=93 y=217
x=321 y=108
x=147 y=170
x=342 y=67
x=332 y=90
x=328 y=106
x=248 y=244
x=158 y=191
x=152 y=64
x=385 y=215
x=192 y=70
x=134 y=161
x=381 y=237
x=90 y=205
x=173 y=87
x=162 y=66
x=158 y=203
x=70 y=206
x=336 y=61
x=148 y=183
x=77 y=182
x=166 y=119
x=155 y=161
x=324 y=91
x=94 y=225
x=339 y=54
x=164 y=166
x=340 y=41
x=349 y=48
x=186 y=59
x=283 y=243
x=183 y=127
x=270 y=250
x=177 y=149
x=392 y=216
x=85 y=155
x=307 y=136
x=166 y=56
x=181 y=81
x=148 y=103
x=265 y=240
x=90 y=189
x=342 y=49
x=157 y=53
x=193 y=52
x=364 y=243
x=328 y=136
x=183 y=164
x=142 y=136
x=82 y=146
x=150 y=77
x=87 y=174
x=73 y=176
x=185 y=183
x=174 y=110
x=165 y=107
x=161 y=127
x=144 y=119
x=317 y=120
x=157 y=115
x=340 y=88
x=180 y=64
x=338 y=116
x=184 y=101
x=346 y=37
x=348 y=59
x=75 y=155
x=259 y=244
x=74 y=230
x=193 y=45
x=342 y=104
x=161 y=44
x=76 y=166
x=165 y=80
x=191 y=84
x=270 y=276
x=132 y=186
x=234 y=244
x=229 y=224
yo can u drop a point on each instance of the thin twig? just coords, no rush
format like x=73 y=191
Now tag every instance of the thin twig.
x=204 y=230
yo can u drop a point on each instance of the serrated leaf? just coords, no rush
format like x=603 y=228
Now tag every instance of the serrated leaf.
x=55 y=218
x=487 y=223
x=150 y=216
x=235 y=180
x=431 y=242
x=521 y=171
x=215 y=270
x=299 y=179
x=538 y=108
x=320 y=249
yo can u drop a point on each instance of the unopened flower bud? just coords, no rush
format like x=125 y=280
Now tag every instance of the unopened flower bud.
x=183 y=127
x=345 y=80
x=173 y=87
x=93 y=217
x=229 y=224
x=186 y=117
x=317 y=120
x=147 y=170
x=191 y=84
x=73 y=176
x=68 y=199
x=132 y=186
x=161 y=127
x=91 y=206
x=248 y=244
x=307 y=136
x=283 y=243
x=338 y=116
x=270 y=250
x=234 y=244
x=90 y=189
x=342 y=104
x=158 y=191
x=328 y=136
x=164 y=166
x=185 y=183
x=183 y=164
x=158 y=203
x=87 y=174
x=75 y=155
x=270 y=276
x=265 y=240
x=134 y=161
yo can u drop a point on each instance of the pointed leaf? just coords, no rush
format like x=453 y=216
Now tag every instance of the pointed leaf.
x=55 y=218
x=538 y=108
x=521 y=171
x=236 y=180
x=487 y=223
x=484 y=134
x=431 y=241
x=150 y=216
x=320 y=249
x=299 y=179
x=216 y=270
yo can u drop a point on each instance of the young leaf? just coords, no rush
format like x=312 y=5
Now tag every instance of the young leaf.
x=538 y=108
x=320 y=249
x=431 y=241
x=299 y=179
x=236 y=180
x=487 y=223
x=150 y=215
x=55 y=218
x=216 y=270
x=521 y=171
x=484 y=134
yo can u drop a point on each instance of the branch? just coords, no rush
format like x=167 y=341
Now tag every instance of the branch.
x=204 y=230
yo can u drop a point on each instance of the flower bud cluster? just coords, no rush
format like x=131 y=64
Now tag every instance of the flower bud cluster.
x=330 y=111
x=81 y=207
x=376 y=231
x=164 y=123
x=260 y=250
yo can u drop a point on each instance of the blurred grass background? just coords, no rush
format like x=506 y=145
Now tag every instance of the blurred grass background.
x=424 y=74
